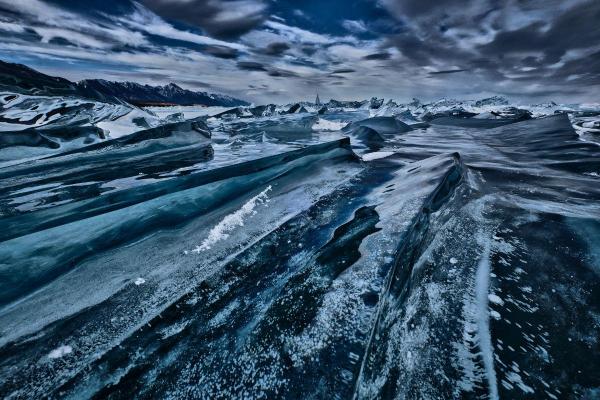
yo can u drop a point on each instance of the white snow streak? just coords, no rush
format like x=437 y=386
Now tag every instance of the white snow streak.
x=482 y=283
x=376 y=155
x=222 y=230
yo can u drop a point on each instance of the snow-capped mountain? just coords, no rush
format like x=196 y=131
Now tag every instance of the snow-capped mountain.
x=18 y=78
x=139 y=94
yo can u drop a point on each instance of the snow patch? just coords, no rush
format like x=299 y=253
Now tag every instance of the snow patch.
x=516 y=379
x=325 y=125
x=222 y=230
x=376 y=155
x=125 y=125
x=495 y=299
x=60 y=352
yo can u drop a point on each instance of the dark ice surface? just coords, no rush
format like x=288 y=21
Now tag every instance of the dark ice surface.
x=458 y=260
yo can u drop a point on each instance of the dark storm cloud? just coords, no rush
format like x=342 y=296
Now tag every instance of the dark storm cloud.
x=520 y=42
x=309 y=50
x=219 y=18
x=222 y=52
x=277 y=72
x=276 y=48
x=378 y=56
x=271 y=71
x=528 y=47
x=61 y=41
x=251 y=66
x=449 y=71
x=537 y=51
x=584 y=73
x=343 y=71
x=424 y=52
x=577 y=28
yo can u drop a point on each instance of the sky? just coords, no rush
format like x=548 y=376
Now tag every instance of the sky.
x=288 y=50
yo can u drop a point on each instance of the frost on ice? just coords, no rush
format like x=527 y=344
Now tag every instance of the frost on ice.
x=139 y=281
x=222 y=230
x=60 y=352
x=376 y=155
x=326 y=125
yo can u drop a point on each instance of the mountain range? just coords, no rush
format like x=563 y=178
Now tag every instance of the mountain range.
x=22 y=79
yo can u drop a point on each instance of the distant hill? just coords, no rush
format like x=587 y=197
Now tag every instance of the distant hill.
x=22 y=79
